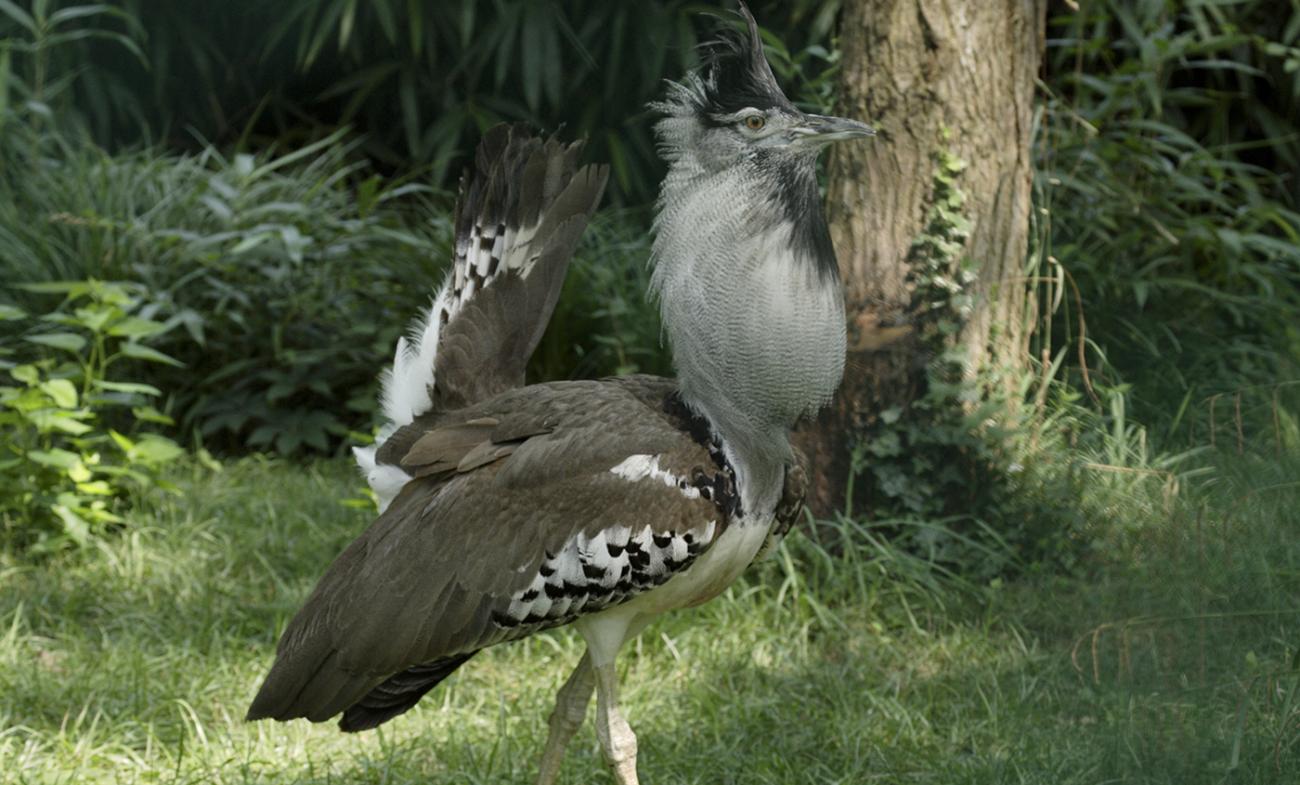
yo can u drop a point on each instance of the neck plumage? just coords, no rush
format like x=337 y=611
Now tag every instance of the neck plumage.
x=752 y=306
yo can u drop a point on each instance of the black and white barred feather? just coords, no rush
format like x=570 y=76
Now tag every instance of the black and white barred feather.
x=518 y=220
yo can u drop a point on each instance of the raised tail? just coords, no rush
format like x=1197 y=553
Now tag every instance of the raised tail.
x=518 y=220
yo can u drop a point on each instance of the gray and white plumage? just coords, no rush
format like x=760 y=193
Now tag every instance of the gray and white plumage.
x=744 y=269
x=508 y=509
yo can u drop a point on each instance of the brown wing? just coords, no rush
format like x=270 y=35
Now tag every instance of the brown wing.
x=517 y=521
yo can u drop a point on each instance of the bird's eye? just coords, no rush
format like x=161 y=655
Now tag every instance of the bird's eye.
x=755 y=122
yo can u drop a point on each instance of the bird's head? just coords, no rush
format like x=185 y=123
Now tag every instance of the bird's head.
x=732 y=109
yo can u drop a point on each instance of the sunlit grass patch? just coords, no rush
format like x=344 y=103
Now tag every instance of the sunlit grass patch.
x=827 y=664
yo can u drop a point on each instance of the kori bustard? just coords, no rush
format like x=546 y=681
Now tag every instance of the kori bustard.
x=508 y=509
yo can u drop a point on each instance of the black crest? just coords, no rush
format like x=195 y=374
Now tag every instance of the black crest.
x=737 y=74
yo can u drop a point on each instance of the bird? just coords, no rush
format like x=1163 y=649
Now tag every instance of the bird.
x=507 y=508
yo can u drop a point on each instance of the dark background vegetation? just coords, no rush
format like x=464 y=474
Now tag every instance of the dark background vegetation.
x=276 y=179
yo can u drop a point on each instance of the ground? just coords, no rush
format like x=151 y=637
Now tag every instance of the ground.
x=1171 y=661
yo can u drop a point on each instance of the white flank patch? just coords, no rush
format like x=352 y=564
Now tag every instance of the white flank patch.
x=640 y=467
x=385 y=481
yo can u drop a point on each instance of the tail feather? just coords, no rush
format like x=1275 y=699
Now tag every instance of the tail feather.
x=522 y=191
x=398 y=694
x=518 y=221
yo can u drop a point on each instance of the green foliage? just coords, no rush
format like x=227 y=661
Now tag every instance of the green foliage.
x=48 y=39
x=604 y=322
x=66 y=467
x=945 y=454
x=291 y=275
x=420 y=81
x=1164 y=156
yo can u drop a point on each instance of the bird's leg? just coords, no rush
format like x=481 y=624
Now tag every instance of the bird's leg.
x=616 y=736
x=570 y=710
x=605 y=633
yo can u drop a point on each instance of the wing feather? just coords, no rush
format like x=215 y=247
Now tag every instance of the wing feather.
x=505 y=540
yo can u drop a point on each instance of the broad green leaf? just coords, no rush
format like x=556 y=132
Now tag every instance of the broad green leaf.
x=46 y=420
x=123 y=443
x=10 y=312
x=32 y=399
x=70 y=342
x=26 y=374
x=59 y=459
x=95 y=317
x=219 y=208
x=73 y=525
x=62 y=392
x=95 y=488
x=244 y=164
x=208 y=461
x=249 y=243
x=155 y=449
x=99 y=513
x=79 y=473
x=150 y=414
x=135 y=327
x=142 y=352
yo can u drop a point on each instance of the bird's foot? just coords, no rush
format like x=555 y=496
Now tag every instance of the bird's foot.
x=617 y=740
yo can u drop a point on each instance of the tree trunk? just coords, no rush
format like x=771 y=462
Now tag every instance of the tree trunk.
x=937 y=79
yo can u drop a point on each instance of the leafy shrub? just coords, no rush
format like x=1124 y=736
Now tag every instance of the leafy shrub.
x=290 y=275
x=1166 y=171
x=67 y=464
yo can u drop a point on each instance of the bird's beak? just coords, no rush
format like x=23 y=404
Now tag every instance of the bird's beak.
x=819 y=129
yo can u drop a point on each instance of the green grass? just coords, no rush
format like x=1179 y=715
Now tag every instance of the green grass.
x=1166 y=659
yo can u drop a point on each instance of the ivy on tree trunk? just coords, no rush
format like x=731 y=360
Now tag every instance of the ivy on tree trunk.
x=949 y=86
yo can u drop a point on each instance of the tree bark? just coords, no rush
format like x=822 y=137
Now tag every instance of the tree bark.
x=933 y=77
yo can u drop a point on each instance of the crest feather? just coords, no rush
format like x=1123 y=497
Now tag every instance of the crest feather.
x=734 y=75
x=737 y=74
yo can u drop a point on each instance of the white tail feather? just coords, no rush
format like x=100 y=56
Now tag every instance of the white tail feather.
x=408 y=385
